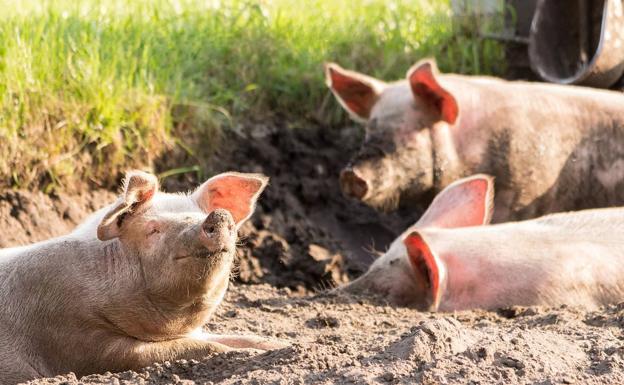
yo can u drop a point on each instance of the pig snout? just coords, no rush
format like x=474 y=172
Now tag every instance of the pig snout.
x=353 y=184
x=218 y=231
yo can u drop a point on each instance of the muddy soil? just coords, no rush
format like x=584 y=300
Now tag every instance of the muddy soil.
x=305 y=237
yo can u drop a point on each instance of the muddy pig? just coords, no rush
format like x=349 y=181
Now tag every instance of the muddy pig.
x=130 y=286
x=551 y=148
x=448 y=261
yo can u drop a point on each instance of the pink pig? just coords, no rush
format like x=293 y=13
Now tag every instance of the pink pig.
x=449 y=261
x=134 y=284
x=551 y=148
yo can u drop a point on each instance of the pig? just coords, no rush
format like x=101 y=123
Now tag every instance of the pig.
x=552 y=148
x=452 y=259
x=130 y=286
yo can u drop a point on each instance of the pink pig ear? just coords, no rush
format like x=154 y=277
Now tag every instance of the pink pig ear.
x=357 y=93
x=466 y=202
x=138 y=189
x=422 y=79
x=427 y=266
x=232 y=191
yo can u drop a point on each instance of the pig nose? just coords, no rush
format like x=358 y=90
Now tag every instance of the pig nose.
x=218 y=230
x=352 y=184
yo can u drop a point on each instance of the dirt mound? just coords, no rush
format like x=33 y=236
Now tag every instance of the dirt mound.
x=344 y=340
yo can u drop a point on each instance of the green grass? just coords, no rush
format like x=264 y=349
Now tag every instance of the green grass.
x=88 y=87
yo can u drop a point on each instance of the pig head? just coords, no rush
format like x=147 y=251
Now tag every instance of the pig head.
x=132 y=285
x=550 y=147
x=403 y=121
x=408 y=273
x=182 y=248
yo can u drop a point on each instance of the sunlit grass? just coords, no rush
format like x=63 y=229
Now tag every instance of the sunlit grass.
x=88 y=86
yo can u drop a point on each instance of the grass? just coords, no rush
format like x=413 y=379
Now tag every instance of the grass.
x=88 y=87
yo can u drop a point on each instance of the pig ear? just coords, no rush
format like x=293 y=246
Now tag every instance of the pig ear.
x=427 y=266
x=138 y=188
x=466 y=202
x=422 y=79
x=356 y=93
x=232 y=191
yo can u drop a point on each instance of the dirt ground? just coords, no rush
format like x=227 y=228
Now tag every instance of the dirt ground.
x=304 y=238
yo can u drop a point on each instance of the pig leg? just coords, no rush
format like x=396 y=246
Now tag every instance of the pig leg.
x=13 y=372
x=246 y=342
x=146 y=353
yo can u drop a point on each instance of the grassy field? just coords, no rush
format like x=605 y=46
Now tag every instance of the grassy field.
x=88 y=87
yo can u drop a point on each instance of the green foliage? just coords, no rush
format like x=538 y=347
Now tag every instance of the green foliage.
x=88 y=86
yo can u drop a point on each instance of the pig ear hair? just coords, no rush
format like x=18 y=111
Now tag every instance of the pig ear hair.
x=357 y=93
x=465 y=202
x=232 y=191
x=422 y=79
x=138 y=188
x=427 y=266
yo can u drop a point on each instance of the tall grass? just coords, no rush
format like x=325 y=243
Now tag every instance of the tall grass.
x=88 y=86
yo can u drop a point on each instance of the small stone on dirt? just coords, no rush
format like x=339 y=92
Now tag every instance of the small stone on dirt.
x=322 y=321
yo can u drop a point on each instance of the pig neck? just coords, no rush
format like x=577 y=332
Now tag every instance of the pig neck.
x=49 y=287
x=456 y=147
x=570 y=258
x=483 y=264
x=137 y=311
x=447 y=165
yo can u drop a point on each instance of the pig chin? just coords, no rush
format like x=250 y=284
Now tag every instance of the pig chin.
x=209 y=256
x=391 y=188
x=384 y=200
x=388 y=197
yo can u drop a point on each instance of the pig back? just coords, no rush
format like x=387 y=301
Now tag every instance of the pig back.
x=551 y=148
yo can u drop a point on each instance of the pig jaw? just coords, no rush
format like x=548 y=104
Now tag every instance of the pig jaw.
x=203 y=259
x=202 y=275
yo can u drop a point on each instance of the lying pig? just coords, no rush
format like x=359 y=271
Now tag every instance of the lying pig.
x=551 y=147
x=130 y=286
x=447 y=261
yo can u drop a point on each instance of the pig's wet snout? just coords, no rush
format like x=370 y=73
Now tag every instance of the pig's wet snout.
x=218 y=231
x=352 y=184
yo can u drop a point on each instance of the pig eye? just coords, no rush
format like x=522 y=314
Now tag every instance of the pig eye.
x=154 y=231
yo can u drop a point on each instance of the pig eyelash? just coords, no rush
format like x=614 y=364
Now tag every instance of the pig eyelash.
x=154 y=231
